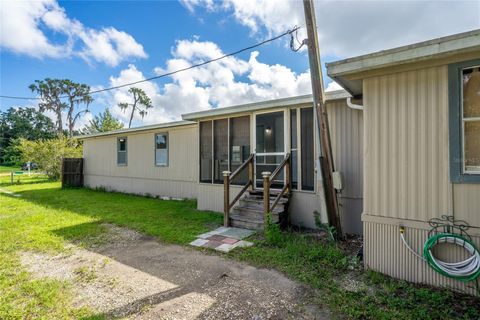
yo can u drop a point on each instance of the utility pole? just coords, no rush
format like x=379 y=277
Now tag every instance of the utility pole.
x=326 y=158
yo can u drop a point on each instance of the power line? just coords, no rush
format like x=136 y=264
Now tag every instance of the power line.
x=288 y=32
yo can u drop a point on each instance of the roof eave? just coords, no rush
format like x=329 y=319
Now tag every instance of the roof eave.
x=436 y=48
x=138 y=129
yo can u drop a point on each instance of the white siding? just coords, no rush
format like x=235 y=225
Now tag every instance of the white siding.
x=141 y=176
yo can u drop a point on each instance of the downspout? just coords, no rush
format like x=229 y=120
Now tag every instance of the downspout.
x=353 y=106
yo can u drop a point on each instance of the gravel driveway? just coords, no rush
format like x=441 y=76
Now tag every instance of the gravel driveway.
x=136 y=277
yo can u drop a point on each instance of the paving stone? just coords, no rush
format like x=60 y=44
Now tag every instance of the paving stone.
x=242 y=244
x=198 y=242
x=216 y=237
x=224 y=247
x=237 y=233
x=212 y=244
x=230 y=240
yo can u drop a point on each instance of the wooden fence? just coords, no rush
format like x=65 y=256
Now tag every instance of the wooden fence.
x=72 y=172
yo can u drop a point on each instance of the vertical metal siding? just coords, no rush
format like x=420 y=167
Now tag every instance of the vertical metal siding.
x=346 y=130
x=406 y=170
x=385 y=252
x=141 y=175
x=406 y=136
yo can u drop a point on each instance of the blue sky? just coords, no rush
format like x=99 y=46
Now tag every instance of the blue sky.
x=101 y=43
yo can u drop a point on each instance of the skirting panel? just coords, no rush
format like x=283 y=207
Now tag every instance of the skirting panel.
x=141 y=186
x=385 y=252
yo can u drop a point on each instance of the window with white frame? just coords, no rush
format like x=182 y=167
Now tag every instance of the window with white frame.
x=464 y=121
x=471 y=119
x=122 y=151
x=161 y=149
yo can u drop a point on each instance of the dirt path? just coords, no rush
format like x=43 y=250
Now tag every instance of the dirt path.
x=135 y=277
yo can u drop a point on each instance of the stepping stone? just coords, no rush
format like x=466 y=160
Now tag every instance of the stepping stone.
x=198 y=242
x=237 y=233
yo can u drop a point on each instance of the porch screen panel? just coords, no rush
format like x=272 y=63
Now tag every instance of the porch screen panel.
x=220 y=147
x=294 y=148
x=206 y=151
x=239 y=146
x=307 y=151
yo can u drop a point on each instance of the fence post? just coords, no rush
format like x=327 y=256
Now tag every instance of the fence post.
x=11 y=177
x=266 y=193
x=226 y=198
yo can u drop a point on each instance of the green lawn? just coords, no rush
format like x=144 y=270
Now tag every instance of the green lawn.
x=45 y=217
x=4 y=169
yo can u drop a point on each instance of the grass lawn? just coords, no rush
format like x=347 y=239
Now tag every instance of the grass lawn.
x=45 y=217
x=5 y=169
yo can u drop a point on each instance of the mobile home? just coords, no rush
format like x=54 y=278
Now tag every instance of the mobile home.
x=188 y=159
x=421 y=151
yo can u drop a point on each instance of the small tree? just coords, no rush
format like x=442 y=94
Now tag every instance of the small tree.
x=50 y=91
x=48 y=153
x=102 y=122
x=77 y=94
x=141 y=102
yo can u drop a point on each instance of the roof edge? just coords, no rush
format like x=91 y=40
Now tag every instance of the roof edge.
x=267 y=104
x=405 y=54
x=138 y=129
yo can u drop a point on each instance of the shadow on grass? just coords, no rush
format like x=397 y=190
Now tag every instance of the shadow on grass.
x=168 y=220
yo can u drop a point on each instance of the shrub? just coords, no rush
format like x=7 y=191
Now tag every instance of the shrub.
x=273 y=234
x=48 y=153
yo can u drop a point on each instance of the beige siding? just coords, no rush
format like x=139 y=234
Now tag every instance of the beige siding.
x=385 y=252
x=406 y=145
x=346 y=131
x=210 y=196
x=178 y=179
x=406 y=170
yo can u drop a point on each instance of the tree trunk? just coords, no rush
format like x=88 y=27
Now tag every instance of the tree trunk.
x=131 y=116
x=59 y=121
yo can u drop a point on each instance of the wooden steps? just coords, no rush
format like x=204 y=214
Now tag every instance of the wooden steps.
x=248 y=213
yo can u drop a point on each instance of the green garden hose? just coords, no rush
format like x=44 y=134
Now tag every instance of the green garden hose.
x=466 y=270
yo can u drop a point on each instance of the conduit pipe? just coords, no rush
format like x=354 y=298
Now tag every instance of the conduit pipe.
x=353 y=105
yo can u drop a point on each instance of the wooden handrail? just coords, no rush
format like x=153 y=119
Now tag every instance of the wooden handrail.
x=227 y=178
x=279 y=168
x=242 y=166
x=267 y=182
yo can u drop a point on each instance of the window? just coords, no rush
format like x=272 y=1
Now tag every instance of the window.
x=206 y=151
x=220 y=147
x=239 y=146
x=122 y=151
x=294 y=147
x=224 y=146
x=307 y=148
x=464 y=95
x=161 y=149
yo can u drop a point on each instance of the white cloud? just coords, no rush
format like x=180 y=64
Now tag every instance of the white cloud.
x=333 y=86
x=349 y=28
x=21 y=31
x=227 y=82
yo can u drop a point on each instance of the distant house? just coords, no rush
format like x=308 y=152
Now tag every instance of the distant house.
x=421 y=149
x=186 y=159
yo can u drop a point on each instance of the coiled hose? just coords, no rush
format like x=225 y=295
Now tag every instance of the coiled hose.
x=466 y=270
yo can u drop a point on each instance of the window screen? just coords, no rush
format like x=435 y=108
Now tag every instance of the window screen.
x=308 y=176
x=471 y=119
x=294 y=148
x=206 y=151
x=161 y=149
x=239 y=146
x=220 y=142
x=122 y=151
